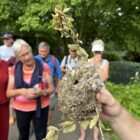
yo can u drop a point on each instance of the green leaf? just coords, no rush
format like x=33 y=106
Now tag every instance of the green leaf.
x=85 y=124
x=52 y=134
x=82 y=52
x=93 y=121
x=72 y=46
x=53 y=128
x=104 y=128
x=66 y=10
x=74 y=2
x=53 y=137
x=69 y=128
x=66 y=123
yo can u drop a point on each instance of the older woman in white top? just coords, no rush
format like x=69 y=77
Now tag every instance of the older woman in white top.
x=102 y=66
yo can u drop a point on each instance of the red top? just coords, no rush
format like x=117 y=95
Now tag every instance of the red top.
x=3 y=81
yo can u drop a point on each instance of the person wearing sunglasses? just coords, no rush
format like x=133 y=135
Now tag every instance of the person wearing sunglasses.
x=6 y=50
x=70 y=61
x=102 y=66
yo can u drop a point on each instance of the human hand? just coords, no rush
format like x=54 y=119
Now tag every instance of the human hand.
x=11 y=61
x=40 y=89
x=111 y=109
x=30 y=93
x=40 y=92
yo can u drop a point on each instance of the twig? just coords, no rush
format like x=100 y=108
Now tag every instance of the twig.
x=99 y=124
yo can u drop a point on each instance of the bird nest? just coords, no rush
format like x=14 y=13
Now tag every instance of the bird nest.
x=78 y=88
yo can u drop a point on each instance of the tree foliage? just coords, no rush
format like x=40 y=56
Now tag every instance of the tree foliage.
x=116 y=22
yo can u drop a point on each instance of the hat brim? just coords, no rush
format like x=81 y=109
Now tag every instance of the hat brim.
x=72 y=47
x=7 y=36
x=97 y=47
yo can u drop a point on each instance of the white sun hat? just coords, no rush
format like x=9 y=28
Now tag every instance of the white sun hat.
x=97 y=45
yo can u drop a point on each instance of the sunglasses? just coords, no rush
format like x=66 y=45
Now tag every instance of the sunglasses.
x=73 y=50
x=6 y=38
x=98 y=52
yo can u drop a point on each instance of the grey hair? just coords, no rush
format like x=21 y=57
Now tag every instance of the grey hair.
x=18 y=44
x=97 y=41
x=43 y=45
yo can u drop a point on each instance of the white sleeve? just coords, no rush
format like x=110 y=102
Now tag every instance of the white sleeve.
x=63 y=62
x=0 y=51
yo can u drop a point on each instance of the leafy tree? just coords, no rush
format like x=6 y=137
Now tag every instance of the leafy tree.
x=116 y=22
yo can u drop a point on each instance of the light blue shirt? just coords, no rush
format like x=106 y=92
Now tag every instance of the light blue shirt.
x=55 y=69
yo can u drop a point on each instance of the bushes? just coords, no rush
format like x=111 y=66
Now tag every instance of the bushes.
x=122 y=71
x=132 y=56
x=111 y=56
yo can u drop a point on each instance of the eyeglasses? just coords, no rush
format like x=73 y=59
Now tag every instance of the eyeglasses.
x=98 y=52
x=6 y=38
x=73 y=50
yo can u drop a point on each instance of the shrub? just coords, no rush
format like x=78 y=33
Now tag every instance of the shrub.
x=111 y=56
x=132 y=56
x=122 y=71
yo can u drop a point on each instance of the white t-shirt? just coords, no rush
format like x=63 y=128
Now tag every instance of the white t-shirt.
x=6 y=52
x=71 y=63
x=102 y=65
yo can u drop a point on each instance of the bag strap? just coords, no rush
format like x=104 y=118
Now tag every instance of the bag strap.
x=53 y=60
x=66 y=61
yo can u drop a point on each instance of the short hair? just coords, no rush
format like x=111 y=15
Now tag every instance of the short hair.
x=98 y=41
x=18 y=44
x=43 y=45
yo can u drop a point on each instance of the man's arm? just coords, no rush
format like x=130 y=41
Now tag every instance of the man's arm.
x=59 y=75
x=126 y=126
x=121 y=121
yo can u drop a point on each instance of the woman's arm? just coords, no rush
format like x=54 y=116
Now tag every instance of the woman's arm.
x=30 y=93
x=11 y=91
x=104 y=71
x=50 y=87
